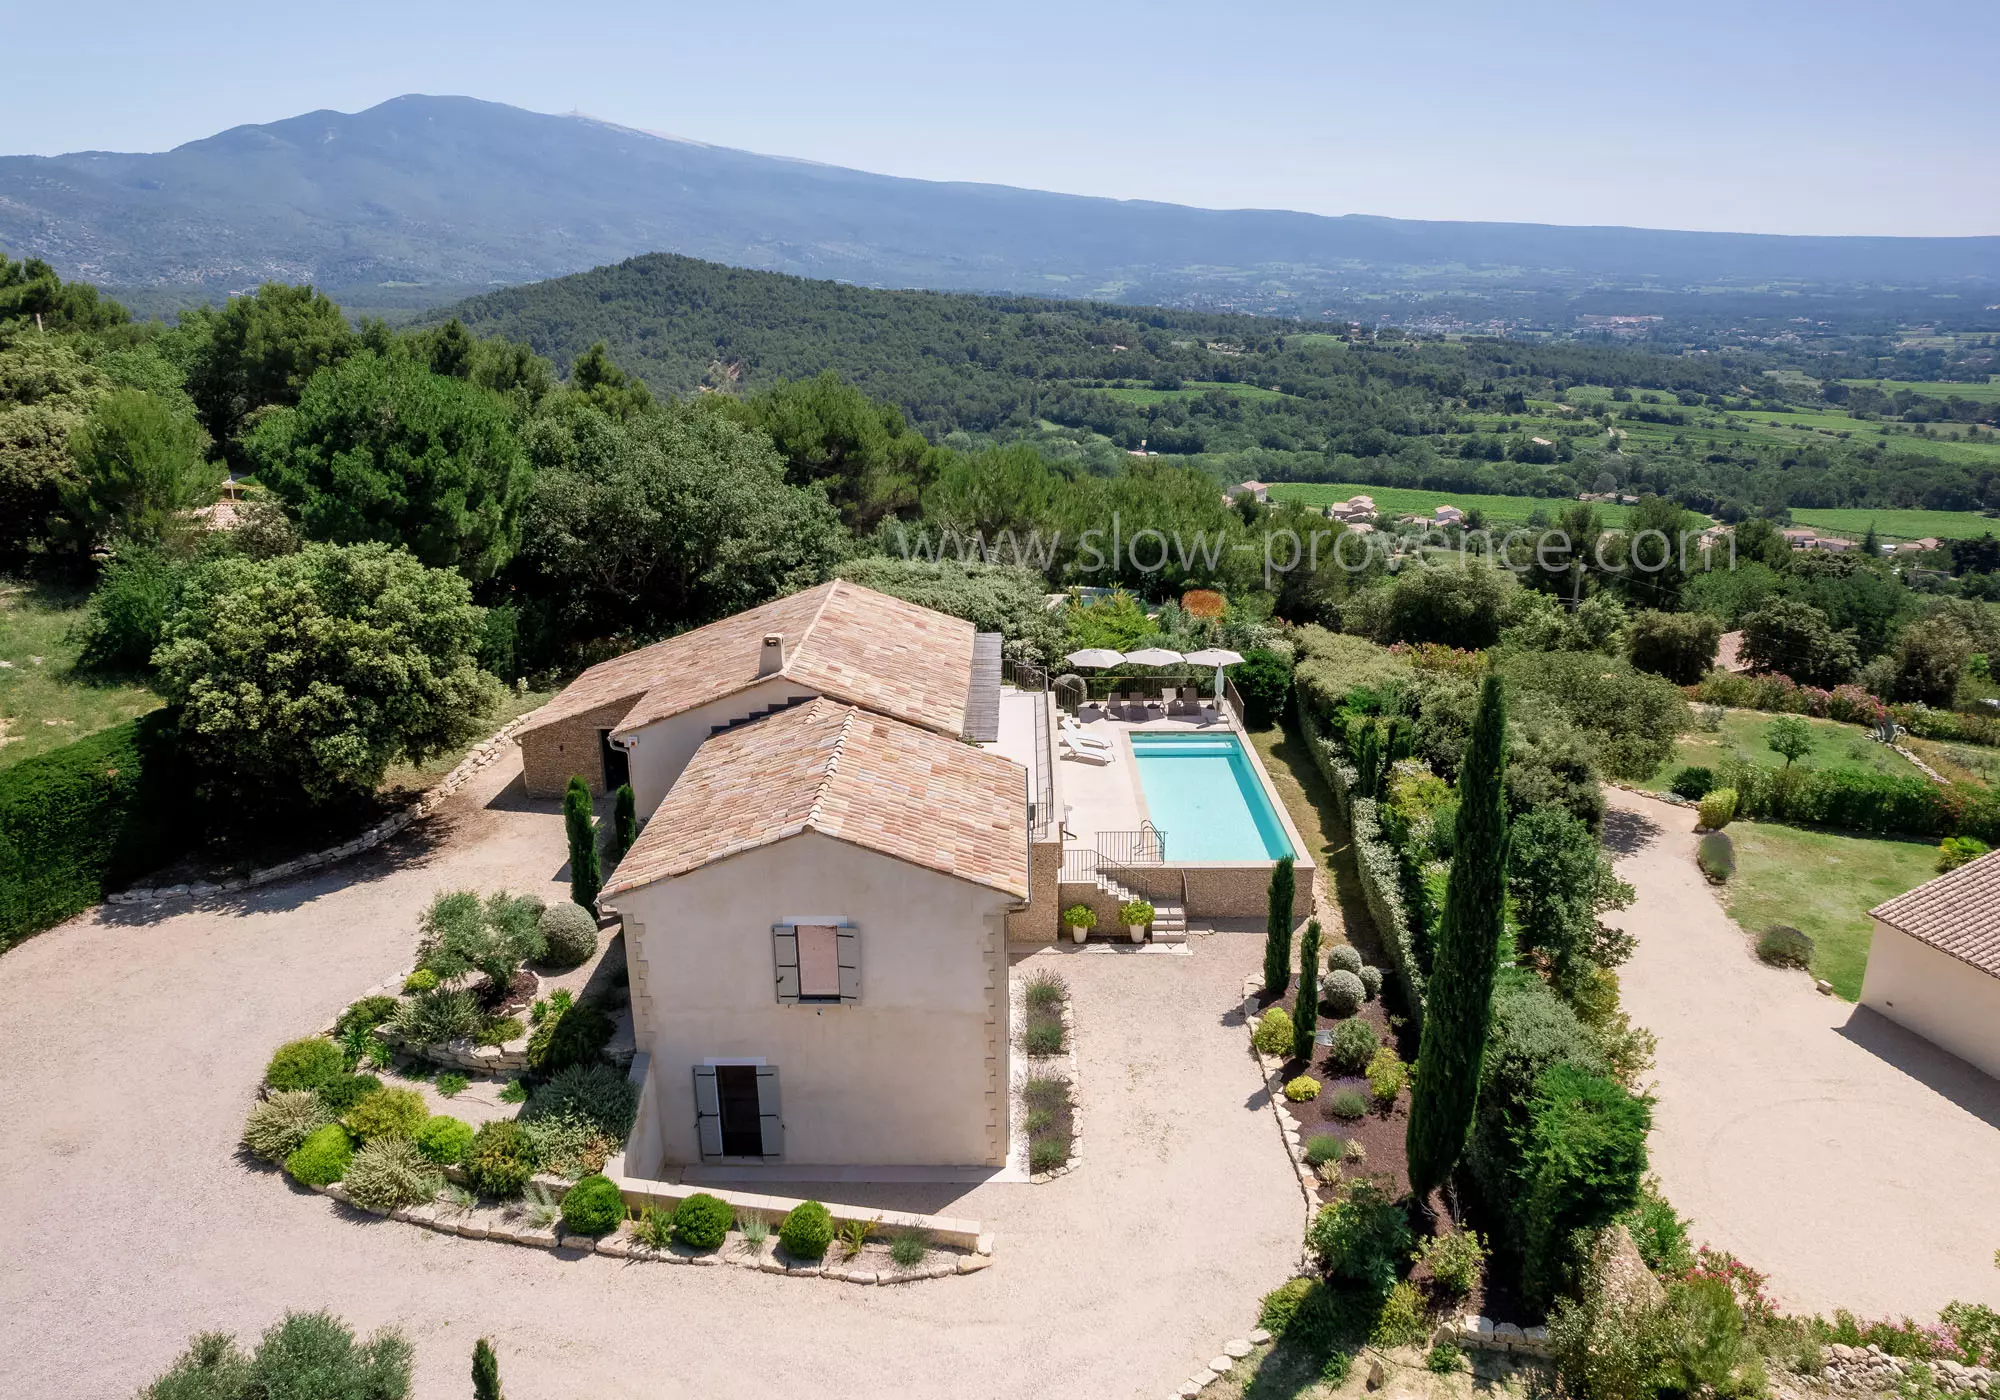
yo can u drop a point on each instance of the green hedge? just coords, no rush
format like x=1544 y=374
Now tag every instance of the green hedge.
x=86 y=818
x=1867 y=802
x=1380 y=869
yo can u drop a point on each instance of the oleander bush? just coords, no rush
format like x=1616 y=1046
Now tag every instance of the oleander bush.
x=388 y=1113
x=570 y=934
x=1303 y=1089
x=1386 y=1075
x=1347 y=1105
x=1343 y=992
x=1693 y=782
x=279 y=1123
x=1371 y=981
x=1716 y=855
x=444 y=1139
x=1274 y=1033
x=390 y=1173
x=501 y=1159
x=702 y=1221
x=1322 y=1148
x=322 y=1158
x=807 y=1231
x=1783 y=946
x=593 y=1206
x=1344 y=957
x=305 y=1064
x=1717 y=808
x=1353 y=1044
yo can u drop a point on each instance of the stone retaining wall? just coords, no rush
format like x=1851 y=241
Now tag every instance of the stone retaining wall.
x=477 y=758
x=1856 y=1370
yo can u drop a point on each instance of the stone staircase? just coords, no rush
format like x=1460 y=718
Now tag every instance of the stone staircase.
x=1169 y=919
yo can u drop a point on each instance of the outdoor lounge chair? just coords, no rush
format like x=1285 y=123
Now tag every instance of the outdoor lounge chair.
x=1072 y=749
x=1075 y=733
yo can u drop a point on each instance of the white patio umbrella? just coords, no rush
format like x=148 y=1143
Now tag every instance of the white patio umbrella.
x=1154 y=656
x=1095 y=658
x=1218 y=657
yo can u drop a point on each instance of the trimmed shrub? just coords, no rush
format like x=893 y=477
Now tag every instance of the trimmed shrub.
x=1717 y=808
x=422 y=980
x=343 y=1091
x=570 y=933
x=702 y=1221
x=1274 y=1032
x=498 y=1030
x=1400 y=1323
x=1344 y=992
x=322 y=1158
x=388 y=1113
x=1304 y=1089
x=390 y=1173
x=1353 y=1045
x=1387 y=1075
x=807 y=1231
x=1693 y=782
x=1371 y=982
x=1322 y=1148
x=87 y=818
x=501 y=1159
x=570 y=1033
x=278 y=1124
x=444 y=1139
x=593 y=1206
x=1717 y=857
x=1457 y=1261
x=1347 y=1105
x=1344 y=957
x=599 y=1094
x=1281 y=1305
x=305 y=1064
x=1783 y=946
x=1581 y=1163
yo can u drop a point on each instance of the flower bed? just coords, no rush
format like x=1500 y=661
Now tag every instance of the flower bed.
x=1044 y=1117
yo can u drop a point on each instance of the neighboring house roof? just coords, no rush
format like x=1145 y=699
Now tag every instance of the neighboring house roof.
x=1729 y=652
x=1957 y=913
x=847 y=774
x=842 y=640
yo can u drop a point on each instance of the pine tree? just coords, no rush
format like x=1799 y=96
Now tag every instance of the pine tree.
x=1870 y=545
x=485 y=1372
x=584 y=876
x=1278 y=932
x=1305 y=1017
x=1458 y=1002
x=624 y=822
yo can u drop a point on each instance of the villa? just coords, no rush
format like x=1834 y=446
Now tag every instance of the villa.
x=847 y=819
x=1934 y=962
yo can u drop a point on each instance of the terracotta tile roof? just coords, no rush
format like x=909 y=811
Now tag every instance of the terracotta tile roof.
x=842 y=640
x=1957 y=913
x=848 y=774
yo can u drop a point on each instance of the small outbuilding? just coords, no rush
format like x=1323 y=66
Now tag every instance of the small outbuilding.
x=1934 y=965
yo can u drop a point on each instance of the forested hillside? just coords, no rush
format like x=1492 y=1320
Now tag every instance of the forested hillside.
x=1725 y=433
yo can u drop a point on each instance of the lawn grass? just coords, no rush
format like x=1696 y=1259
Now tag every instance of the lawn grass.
x=44 y=702
x=1822 y=884
x=1400 y=500
x=1989 y=392
x=415 y=777
x=1837 y=748
x=1900 y=524
x=1959 y=763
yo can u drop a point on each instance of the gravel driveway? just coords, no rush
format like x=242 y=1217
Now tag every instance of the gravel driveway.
x=1855 y=1163
x=132 y=1043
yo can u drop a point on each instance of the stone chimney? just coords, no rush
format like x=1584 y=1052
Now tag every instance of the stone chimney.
x=772 y=660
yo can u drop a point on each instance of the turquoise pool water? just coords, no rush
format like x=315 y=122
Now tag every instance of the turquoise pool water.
x=1203 y=793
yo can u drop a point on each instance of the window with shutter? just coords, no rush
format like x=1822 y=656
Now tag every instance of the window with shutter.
x=819 y=962
x=848 y=951
x=785 y=948
x=707 y=1111
x=770 y=1124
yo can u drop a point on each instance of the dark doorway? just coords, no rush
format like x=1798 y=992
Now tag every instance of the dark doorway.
x=736 y=1095
x=617 y=763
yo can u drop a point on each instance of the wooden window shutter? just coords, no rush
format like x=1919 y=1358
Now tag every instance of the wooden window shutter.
x=848 y=942
x=707 y=1111
x=785 y=949
x=769 y=1121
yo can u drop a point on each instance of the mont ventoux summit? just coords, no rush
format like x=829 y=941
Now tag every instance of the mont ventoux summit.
x=422 y=200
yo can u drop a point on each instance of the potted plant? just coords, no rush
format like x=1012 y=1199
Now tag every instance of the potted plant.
x=1136 y=914
x=1079 y=919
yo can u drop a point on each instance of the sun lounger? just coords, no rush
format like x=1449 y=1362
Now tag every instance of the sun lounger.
x=1072 y=749
x=1074 y=732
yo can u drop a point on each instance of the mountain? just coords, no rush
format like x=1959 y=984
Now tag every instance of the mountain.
x=453 y=194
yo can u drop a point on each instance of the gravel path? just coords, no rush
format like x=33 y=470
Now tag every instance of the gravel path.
x=133 y=1041
x=1855 y=1163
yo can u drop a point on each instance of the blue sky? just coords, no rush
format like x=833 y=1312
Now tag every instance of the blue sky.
x=1830 y=117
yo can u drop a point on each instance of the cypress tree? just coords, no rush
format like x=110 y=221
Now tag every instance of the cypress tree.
x=624 y=822
x=584 y=876
x=1278 y=931
x=1305 y=1019
x=1458 y=1002
x=485 y=1372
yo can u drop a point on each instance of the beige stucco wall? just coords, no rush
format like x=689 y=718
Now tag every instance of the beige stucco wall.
x=661 y=750
x=914 y=1074
x=1949 y=1003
